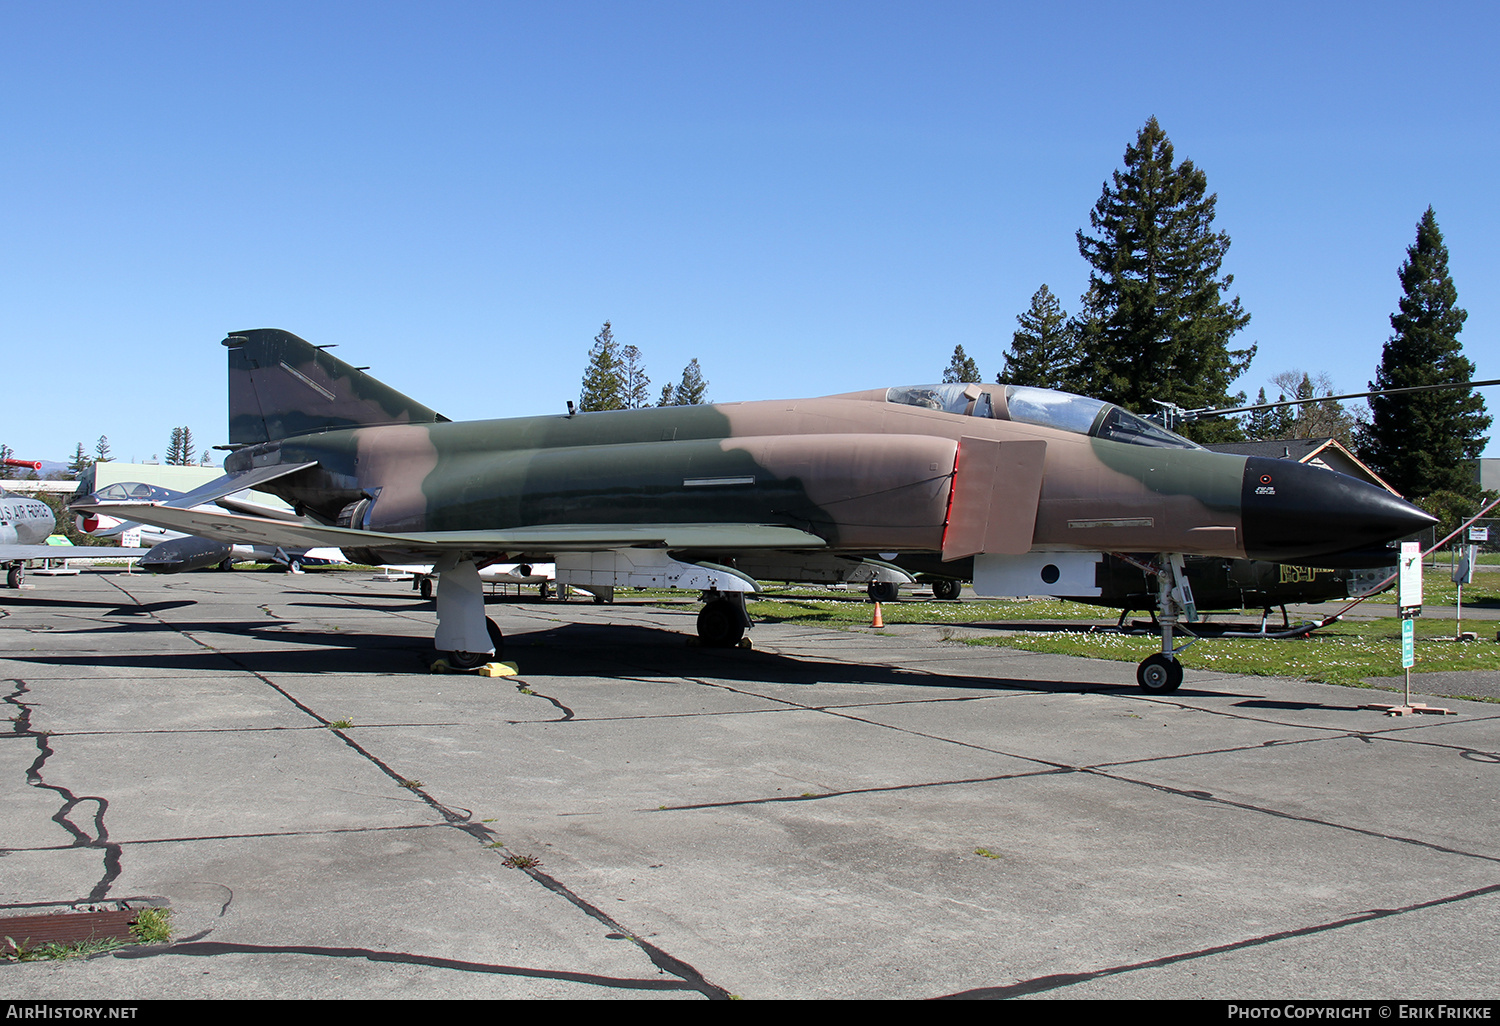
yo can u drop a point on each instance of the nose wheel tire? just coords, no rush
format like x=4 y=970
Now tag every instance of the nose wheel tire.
x=883 y=591
x=1158 y=674
x=946 y=589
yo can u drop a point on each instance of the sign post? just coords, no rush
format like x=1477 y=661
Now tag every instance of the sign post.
x=1409 y=603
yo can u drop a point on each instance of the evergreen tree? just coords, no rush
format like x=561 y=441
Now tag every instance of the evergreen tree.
x=1044 y=349
x=1419 y=441
x=188 y=452
x=1258 y=422
x=101 y=450
x=692 y=390
x=80 y=461
x=1155 y=323
x=174 y=448
x=6 y=472
x=603 y=382
x=636 y=384
x=961 y=368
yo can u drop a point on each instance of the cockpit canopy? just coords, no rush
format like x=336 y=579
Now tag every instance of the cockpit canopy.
x=135 y=491
x=1041 y=406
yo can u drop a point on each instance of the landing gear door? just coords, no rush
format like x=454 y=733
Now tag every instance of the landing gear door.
x=996 y=488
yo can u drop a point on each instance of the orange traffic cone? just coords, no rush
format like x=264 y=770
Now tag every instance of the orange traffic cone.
x=877 y=622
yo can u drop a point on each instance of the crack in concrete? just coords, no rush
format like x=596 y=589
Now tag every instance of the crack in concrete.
x=1042 y=984
x=82 y=838
x=203 y=949
x=463 y=820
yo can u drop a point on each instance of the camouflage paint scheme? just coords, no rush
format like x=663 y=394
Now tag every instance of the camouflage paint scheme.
x=947 y=471
x=853 y=472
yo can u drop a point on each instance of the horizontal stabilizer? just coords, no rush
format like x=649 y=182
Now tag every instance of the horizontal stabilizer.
x=220 y=487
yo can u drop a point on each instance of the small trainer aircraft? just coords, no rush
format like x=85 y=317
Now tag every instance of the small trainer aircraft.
x=711 y=497
x=26 y=523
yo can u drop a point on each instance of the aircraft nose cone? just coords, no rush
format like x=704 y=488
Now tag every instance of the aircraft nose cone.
x=1292 y=511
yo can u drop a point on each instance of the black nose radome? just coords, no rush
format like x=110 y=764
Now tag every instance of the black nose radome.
x=1293 y=511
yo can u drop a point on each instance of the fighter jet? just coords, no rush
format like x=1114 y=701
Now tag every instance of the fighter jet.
x=687 y=497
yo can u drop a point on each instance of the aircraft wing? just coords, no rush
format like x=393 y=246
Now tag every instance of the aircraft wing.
x=548 y=538
x=11 y=553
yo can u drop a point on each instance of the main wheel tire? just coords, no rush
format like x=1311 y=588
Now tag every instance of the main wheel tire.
x=469 y=660
x=719 y=625
x=15 y=575
x=1158 y=674
x=425 y=587
x=947 y=590
x=883 y=591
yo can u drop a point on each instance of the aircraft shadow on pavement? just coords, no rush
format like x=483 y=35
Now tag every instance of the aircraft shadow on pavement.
x=600 y=651
x=624 y=651
x=115 y=608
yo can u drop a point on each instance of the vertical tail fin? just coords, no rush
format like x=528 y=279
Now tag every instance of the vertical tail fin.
x=280 y=386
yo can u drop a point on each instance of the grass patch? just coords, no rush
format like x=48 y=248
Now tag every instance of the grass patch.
x=152 y=926
x=1439 y=590
x=54 y=952
x=1345 y=653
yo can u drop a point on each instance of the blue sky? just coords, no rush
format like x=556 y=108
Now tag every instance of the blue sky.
x=809 y=198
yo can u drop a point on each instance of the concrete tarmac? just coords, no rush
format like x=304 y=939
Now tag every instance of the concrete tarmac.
x=829 y=815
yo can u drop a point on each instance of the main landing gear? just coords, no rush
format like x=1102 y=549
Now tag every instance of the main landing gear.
x=15 y=574
x=465 y=636
x=723 y=620
x=1161 y=672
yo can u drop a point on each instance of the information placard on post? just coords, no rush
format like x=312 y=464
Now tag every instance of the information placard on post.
x=1409 y=587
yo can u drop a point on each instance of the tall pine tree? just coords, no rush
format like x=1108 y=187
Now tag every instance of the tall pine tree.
x=1419 y=441
x=692 y=390
x=962 y=367
x=1155 y=322
x=635 y=385
x=80 y=461
x=603 y=379
x=1044 y=349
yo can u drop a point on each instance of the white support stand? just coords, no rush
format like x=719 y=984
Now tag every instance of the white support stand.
x=460 y=610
